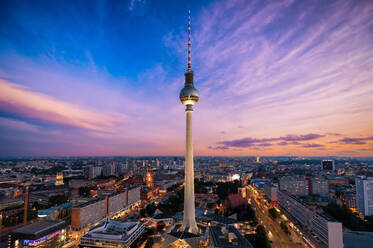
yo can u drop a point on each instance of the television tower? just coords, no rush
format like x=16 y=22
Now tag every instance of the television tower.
x=189 y=96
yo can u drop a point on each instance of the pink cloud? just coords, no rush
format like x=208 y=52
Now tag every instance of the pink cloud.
x=19 y=100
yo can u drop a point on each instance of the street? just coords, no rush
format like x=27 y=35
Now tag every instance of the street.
x=278 y=237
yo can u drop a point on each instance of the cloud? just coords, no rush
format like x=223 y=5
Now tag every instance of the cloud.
x=297 y=65
x=283 y=143
x=265 y=144
x=17 y=100
x=365 y=149
x=264 y=69
x=333 y=134
x=312 y=145
x=133 y=4
x=354 y=141
x=305 y=137
x=346 y=153
x=249 y=142
x=218 y=148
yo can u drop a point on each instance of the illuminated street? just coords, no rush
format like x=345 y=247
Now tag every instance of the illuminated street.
x=278 y=237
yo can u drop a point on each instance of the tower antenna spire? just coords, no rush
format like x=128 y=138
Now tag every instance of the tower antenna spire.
x=189 y=45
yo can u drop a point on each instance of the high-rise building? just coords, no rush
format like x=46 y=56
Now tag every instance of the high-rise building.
x=119 y=168
x=320 y=186
x=59 y=179
x=328 y=165
x=294 y=185
x=364 y=195
x=189 y=96
x=327 y=229
x=351 y=200
x=149 y=179
x=270 y=191
x=94 y=171
x=109 y=170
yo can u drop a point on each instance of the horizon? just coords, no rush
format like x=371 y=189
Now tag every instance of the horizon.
x=180 y=156
x=102 y=79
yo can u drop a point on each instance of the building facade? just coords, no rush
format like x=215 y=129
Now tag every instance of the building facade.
x=270 y=191
x=294 y=185
x=320 y=186
x=41 y=234
x=328 y=165
x=364 y=195
x=92 y=212
x=113 y=234
x=324 y=227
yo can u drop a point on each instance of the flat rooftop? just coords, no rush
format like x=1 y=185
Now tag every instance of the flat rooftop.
x=220 y=237
x=38 y=229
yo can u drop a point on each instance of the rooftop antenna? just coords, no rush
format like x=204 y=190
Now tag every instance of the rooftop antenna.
x=189 y=45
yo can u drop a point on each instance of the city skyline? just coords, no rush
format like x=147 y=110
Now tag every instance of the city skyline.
x=283 y=78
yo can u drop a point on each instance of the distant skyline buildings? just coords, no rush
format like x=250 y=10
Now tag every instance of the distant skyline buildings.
x=294 y=78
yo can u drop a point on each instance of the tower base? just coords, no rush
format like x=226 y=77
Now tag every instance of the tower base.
x=190 y=229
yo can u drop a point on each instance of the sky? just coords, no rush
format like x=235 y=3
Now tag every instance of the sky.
x=82 y=78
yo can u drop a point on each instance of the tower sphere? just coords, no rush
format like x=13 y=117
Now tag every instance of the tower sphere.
x=189 y=95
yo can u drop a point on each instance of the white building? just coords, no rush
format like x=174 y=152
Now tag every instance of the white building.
x=113 y=234
x=328 y=230
x=270 y=192
x=320 y=186
x=294 y=185
x=364 y=195
x=94 y=172
x=89 y=213
x=109 y=170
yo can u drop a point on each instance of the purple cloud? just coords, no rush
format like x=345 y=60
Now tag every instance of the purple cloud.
x=265 y=144
x=312 y=145
x=283 y=143
x=354 y=141
x=365 y=149
x=249 y=142
x=218 y=148
x=305 y=137
x=333 y=134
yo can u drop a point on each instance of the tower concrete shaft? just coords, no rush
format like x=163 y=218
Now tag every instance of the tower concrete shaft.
x=189 y=221
x=189 y=96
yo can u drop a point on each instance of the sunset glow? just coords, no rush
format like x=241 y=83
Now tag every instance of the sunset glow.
x=103 y=78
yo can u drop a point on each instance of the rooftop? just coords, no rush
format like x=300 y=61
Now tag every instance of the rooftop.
x=228 y=237
x=39 y=228
x=114 y=230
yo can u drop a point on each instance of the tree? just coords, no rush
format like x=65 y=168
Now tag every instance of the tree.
x=285 y=227
x=150 y=209
x=273 y=213
x=246 y=213
x=349 y=219
x=84 y=191
x=149 y=243
x=160 y=225
x=174 y=204
x=143 y=213
x=226 y=188
x=57 y=200
x=259 y=239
